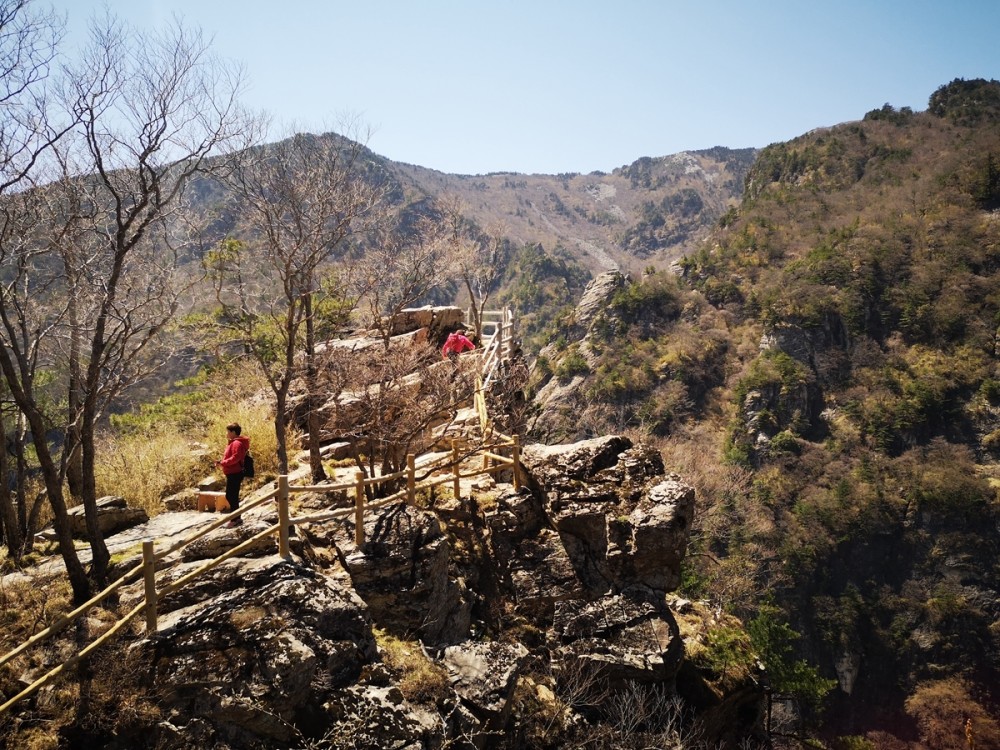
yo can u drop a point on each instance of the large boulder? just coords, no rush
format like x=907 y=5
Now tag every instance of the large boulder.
x=436 y=320
x=402 y=572
x=246 y=652
x=620 y=518
x=515 y=515
x=113 y=516
x=484 y=676
x=618 y=639
x=649 y=545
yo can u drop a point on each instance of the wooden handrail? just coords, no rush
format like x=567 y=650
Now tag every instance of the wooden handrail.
x=491 y=356
x=52 y=674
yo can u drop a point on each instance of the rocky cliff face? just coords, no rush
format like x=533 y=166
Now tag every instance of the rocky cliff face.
x=563 y=408
x=535 y=612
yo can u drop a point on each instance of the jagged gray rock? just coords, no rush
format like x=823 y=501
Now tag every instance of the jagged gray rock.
x=617 y=639
x=113 y=516
x=403 y=573
x=484 y=676
x=621 y=520
x=541 y=574
x=246 y=652
x=376 y=717
x=648 y=548
x=561 y=405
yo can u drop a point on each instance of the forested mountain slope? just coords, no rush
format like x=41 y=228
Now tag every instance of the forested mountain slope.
x=826 y=372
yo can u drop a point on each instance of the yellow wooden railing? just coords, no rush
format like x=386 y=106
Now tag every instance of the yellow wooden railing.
x=447 y=472
x=437 y=472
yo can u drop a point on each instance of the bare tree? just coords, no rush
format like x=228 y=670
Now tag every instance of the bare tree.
x=29 y=38
x=407 y=261
x=476 y=257
x=87 y=258
x=385 y=401
x=301 y=200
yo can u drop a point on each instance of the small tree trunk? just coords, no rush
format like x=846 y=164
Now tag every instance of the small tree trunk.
x=98 y=547
x=74 y=456
x=8 y=514
x=312 y=418
x=31 y=528
x=53 y=485
x=280 y=427
x=21 y=471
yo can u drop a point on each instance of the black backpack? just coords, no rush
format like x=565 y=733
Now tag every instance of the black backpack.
x=248 y=470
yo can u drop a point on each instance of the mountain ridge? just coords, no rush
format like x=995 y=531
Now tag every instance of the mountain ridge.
x=650 y=211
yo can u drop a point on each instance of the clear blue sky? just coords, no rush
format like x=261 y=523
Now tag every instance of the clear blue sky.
x=549 y=86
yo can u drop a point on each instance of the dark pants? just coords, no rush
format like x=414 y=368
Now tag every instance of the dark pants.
x=233 y=490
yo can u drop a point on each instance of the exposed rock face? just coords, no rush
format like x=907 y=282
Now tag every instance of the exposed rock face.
x=541 y=574
x=263 y=652
x=484 y=676
x=621 y=521
x=650 y=545
x=375 y=717
x=250 y=650
x=402 y=573
x=560 y=401
x=595 y=297
x=435 y=320
x=113 y=516
x=621 y=638
x=780 y=405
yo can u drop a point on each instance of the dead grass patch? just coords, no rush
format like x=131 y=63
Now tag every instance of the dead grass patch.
x=420 y=680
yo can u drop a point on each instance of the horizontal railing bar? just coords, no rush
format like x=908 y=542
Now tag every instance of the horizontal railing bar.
x=497 y=457
x=180 y=582
x=322 y=487
x=69 y=617
x=490 y=356
x=52 y=674
x=216 y=524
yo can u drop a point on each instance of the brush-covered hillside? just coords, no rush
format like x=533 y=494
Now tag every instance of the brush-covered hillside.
x=825 y=370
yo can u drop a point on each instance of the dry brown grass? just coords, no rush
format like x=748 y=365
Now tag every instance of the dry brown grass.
x=950 y=718
x=29 y=605
x=420 y=680
x=145 y=466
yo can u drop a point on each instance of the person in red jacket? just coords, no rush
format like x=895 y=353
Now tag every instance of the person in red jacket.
x=456 y=343
x=232 y=467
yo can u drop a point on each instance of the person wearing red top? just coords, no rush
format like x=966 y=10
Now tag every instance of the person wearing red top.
x=232 y=467
x=456 y=343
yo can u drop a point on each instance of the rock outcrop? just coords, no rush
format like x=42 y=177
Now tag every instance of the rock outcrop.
x=113 y=516
x=402 y=572
x=251 y=653
x=560 y=400
x=621 y=520
x=531 y=611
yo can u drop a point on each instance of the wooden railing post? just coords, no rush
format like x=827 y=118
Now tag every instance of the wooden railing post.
x=283 y=516
x=515 y=452
x=479 y=400
x=411 y=479
x=149 y=576
x=456 y=486
x=359 y=509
